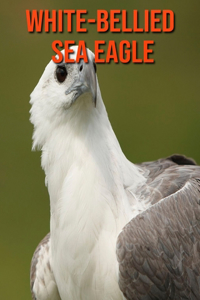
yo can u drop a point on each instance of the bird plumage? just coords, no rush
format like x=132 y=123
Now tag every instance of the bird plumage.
x=94 y=190
x=43 y=285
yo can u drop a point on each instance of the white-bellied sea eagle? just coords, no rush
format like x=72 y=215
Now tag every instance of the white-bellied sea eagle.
x=118 y=230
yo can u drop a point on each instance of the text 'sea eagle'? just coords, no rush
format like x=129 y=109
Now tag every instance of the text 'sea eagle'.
x=118 y=230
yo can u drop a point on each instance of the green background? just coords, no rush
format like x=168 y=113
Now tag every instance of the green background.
x=154 y=110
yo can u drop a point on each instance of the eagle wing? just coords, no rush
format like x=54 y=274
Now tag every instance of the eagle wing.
x=159 y=250
x=43 y=284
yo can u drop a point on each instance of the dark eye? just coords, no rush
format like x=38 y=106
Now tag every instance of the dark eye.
x=61 y=74
x=95 y=67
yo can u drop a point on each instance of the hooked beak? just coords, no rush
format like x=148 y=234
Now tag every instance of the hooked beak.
x=85 y=83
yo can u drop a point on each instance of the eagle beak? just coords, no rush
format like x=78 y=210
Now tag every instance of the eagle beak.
x=86 y=82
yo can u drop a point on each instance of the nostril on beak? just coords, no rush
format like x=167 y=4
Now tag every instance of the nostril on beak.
x=81 y=68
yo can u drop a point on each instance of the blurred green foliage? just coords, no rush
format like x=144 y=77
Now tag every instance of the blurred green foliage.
x=154 y=110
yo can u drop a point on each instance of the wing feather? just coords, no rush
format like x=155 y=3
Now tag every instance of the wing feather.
x=159 y=250
x=43 y=285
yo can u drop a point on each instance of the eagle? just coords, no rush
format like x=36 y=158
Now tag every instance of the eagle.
x=118 y=230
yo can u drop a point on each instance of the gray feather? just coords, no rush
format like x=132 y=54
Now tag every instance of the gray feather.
x=159 y=250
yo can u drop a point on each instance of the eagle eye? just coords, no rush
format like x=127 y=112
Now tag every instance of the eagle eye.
x=61 y=74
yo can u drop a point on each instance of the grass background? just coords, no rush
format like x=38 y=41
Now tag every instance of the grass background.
x=154 y=110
